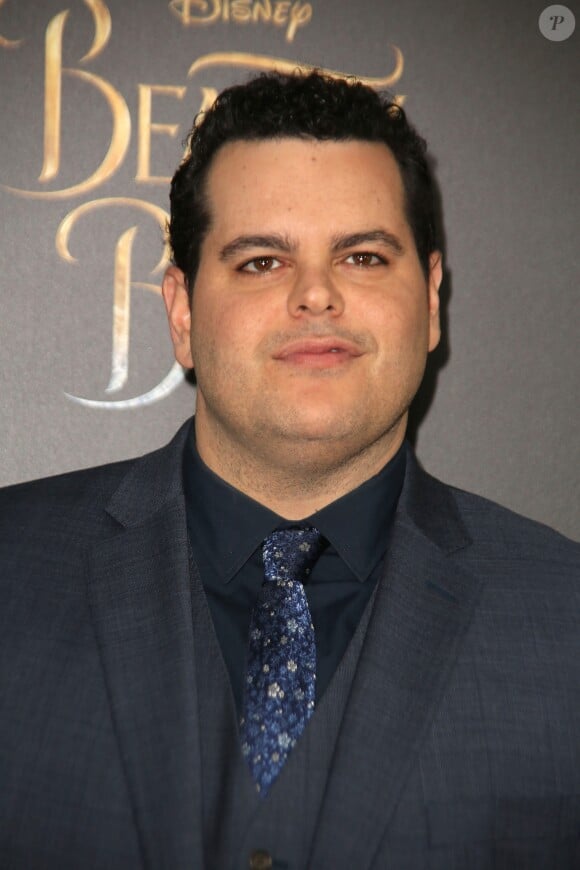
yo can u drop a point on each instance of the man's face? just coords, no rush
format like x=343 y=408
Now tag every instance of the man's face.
x=311 y=317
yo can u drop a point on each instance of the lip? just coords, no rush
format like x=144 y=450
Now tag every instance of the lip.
x=324 y=352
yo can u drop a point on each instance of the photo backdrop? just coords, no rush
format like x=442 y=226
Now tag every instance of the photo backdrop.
x=96 y=98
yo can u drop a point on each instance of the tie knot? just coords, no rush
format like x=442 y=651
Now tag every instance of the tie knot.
x=289 y=554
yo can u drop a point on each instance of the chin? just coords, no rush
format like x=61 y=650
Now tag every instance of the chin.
x=316 y=426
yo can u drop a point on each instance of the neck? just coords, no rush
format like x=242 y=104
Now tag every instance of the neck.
x=295 y=479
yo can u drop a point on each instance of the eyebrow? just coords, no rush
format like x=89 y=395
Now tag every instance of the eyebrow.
x=389 y=240
x=275 y=241
x=244 y=243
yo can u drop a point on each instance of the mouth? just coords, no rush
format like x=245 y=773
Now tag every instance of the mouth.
x=318 y=353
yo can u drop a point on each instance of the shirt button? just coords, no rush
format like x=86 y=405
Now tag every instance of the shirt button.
x=260 y=860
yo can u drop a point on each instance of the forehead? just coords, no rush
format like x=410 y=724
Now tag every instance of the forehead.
x=287 y=179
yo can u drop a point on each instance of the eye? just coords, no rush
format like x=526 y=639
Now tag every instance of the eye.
x=364 y=259
x=261 y=265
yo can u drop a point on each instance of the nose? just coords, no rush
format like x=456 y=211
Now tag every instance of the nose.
x=315 y=292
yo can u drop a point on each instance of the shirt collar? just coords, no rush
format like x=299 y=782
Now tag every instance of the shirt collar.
x=230 y=525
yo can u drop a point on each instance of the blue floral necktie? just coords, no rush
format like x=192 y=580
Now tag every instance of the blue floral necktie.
x=281 y=666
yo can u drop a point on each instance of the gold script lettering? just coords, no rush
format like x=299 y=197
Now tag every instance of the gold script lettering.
x=266 y=64
x=281 y=9
x=122 y=283
x=164 y=388
x=300 y=15
x=208 y=98
x=8 y=43
x=262 y=11
x=103 y=26
x=54 y=72
x=121 y=311
x=241 y=11
x=210 y=12
x=279 y=12
x=146 y=128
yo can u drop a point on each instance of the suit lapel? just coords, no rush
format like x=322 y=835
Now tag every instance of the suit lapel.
x=422 y=609
x=140 y=596
x=139 y=591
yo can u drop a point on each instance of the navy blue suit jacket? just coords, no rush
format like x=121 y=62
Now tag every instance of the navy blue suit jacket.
x=460 y=743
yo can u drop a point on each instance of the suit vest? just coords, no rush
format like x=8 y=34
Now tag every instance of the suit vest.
x=237 y=822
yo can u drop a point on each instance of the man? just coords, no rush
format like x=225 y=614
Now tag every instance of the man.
x=277 y=642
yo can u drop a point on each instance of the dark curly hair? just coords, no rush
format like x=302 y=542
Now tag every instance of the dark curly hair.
x=305 y=106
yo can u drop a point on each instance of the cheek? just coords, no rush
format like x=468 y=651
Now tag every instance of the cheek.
x=223 y=333
x=204 y=331
x=403 y=327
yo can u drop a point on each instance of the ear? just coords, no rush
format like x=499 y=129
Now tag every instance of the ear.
x=176 y=298
x=434 y=282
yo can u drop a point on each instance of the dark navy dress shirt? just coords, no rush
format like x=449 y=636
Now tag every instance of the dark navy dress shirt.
x=226 y=529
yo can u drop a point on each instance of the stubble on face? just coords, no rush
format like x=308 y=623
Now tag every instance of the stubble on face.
x=266 y=425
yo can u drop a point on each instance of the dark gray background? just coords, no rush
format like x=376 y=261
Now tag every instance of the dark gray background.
x=498 y=104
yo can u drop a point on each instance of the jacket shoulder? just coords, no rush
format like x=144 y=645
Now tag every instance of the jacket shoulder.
x=510 y=554
x=46 y=527
x=60 y=515
x=62 y=500
x=487 y=519
x=455 y=518
x=508 y=548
